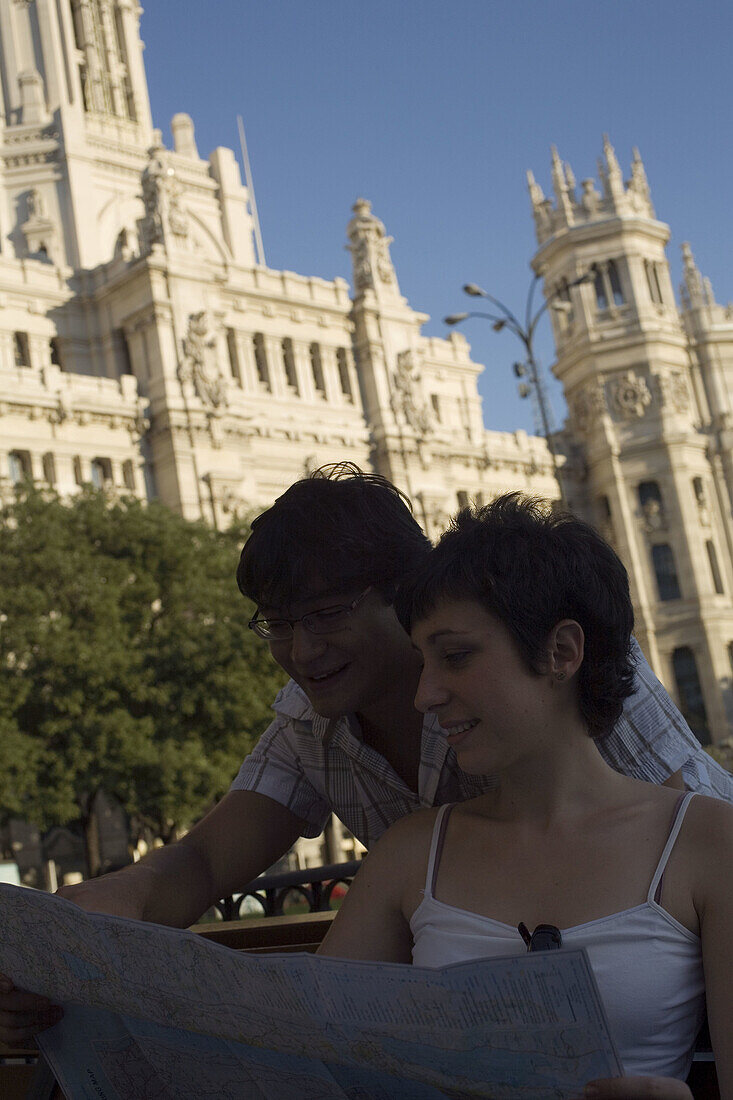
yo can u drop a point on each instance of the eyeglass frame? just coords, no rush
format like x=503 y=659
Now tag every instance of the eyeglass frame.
x=253 y=624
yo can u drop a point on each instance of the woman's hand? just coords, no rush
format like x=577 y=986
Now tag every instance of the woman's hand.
x=637 y=1088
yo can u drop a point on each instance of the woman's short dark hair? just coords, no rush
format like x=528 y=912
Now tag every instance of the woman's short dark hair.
x=339 y=525
x=532 y=567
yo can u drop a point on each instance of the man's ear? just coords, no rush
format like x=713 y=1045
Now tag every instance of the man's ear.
x=565 y=648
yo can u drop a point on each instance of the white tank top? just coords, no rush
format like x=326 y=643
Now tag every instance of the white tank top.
x=647 y=965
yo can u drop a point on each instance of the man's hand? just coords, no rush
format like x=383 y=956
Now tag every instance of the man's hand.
x=23 y=1014
x=637 y=1088
x=115 y=894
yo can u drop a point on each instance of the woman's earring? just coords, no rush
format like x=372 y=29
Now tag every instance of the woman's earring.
x=559 y=675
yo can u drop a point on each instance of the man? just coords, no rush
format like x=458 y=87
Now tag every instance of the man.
x=322 y=566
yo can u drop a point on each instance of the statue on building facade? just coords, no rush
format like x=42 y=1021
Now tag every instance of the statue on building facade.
x=407 y=400
x=199 y=366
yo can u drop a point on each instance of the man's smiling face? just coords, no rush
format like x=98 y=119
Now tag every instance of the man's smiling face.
x=350 y=669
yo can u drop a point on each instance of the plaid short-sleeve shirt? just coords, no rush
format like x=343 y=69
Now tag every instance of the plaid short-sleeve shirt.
x=315 y=765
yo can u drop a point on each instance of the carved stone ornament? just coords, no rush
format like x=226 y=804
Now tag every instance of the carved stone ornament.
x=199 y=366
x=384 y=263
x=63 y=410
x=655 y=518
x=589 y=404
x=674 y=391
x=630 y=395
x=362 y=268
x=407 y=403
x=177 y=217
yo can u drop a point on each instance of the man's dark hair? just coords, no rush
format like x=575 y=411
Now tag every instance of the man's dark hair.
x=531 y=568
x=340 y=526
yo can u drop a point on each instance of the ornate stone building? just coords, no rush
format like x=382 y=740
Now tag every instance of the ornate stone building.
x=649 y=389
x=144 y=348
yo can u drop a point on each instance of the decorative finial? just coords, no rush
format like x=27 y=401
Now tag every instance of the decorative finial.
x=536 y=193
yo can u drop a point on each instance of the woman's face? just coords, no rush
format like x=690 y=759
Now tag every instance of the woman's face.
x=493 y=708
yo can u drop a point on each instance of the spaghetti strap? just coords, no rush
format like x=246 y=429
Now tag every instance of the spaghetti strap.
x=436 y=847
x=655 y=890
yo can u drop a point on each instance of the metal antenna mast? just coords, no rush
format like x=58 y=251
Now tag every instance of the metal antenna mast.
x=251 y=189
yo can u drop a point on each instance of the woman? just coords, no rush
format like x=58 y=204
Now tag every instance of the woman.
x=523 y=620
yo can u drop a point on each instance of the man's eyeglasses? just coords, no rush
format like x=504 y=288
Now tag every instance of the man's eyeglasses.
x=324 y=621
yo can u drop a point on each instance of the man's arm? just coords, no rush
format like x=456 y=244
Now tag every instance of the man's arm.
x=239 y=839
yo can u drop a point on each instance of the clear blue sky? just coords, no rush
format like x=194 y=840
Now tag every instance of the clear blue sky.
x=434 y=110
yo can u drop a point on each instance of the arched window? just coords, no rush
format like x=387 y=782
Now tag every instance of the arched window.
x=665 y=572
x=649 y=490
x=19 y=466
x=599 y=284
x=607 y=285
x=652 y=507
x=689 y=693
x=616 y=292
x=652 y=279
x=101 y=472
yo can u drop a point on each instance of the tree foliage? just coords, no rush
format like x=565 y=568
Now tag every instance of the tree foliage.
x=125 y=661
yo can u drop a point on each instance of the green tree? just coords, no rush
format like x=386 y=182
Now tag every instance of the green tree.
x=126 y=664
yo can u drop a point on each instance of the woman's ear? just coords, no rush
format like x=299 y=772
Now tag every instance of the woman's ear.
x=565 y=647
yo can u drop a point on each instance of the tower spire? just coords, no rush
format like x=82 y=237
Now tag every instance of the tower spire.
x=560 y=187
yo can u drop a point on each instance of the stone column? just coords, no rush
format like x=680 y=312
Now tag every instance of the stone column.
x=331 y=375
x=7 y=356
x=304 y=370
x=275 y=368
x=39 y=352
x=247 y=364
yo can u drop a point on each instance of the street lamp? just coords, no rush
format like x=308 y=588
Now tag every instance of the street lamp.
x=504 y=318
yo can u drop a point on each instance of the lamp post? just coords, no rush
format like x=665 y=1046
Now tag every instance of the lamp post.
x=504 y=318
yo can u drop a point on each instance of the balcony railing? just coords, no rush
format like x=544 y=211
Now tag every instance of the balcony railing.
x=315 y=885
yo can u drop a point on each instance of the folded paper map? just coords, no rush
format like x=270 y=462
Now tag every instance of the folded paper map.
x=156 y=1013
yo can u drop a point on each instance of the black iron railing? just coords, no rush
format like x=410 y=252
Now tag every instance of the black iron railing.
x=315 y=885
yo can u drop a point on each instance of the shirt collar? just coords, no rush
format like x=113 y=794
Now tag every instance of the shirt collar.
x=292 y=702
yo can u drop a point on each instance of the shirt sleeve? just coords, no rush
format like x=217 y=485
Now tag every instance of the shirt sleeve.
x=651 y=739
x=273 y=768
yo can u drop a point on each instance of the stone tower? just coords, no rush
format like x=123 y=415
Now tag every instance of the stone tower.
x=649 y=401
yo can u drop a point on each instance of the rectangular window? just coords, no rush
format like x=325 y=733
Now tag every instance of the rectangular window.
x=49 y=469
x=21 y=350
x=343 y=369
x=263 y=374
x=317 y=369
x=689 y=693
x=714 y=569
x=233 y=356
x=291 y=375
x=665 y=572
